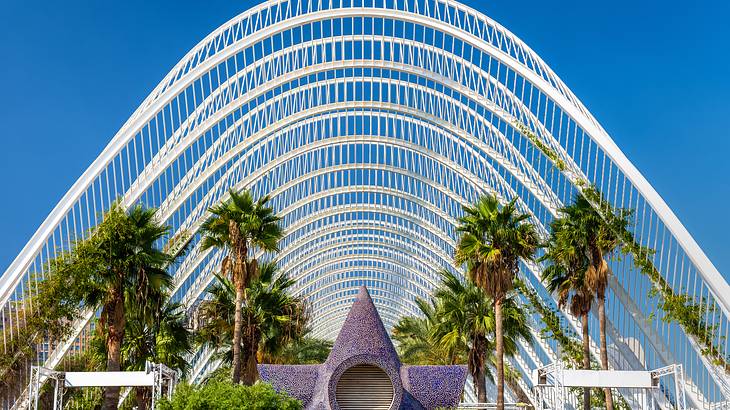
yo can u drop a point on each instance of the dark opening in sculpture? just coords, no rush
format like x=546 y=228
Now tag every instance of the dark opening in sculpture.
x=364 y=386
x=363 y=371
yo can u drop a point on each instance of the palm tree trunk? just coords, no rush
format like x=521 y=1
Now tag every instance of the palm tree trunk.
x=586 y=358
x=250 y=371
x=237 y=328
x=240 y=254
x=141 y=394
x=604 y=349
x=499 y=336
x=476 y=362
x=481 y=385
x=250 y=368
x=114 y=312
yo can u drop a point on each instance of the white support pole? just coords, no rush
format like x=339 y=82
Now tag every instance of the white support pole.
x=34 y=385
x=58 y=393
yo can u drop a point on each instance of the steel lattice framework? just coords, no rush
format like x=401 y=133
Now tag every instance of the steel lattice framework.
x=370 y=123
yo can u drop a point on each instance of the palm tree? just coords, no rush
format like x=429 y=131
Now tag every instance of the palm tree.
x=599 y=239
x=157 y=333
x=303 y=350
x=120 y=255
x=216 y=315
x=240 y=225
x=416 y=343
x=160 y=336
x=466 y=320
x=565 y=276
x=273 y=318
x=493 y=241
x=457 y=327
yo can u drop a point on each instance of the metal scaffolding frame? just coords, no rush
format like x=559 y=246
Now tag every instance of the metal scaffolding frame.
x=653 y=387
x=370 y=123
x=160 y=378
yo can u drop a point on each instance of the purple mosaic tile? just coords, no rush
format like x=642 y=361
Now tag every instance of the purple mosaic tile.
x=435 y=386
x=298 y=381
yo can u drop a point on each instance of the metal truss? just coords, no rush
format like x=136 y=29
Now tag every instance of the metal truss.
x=647 y=387
x=370 y=123
x=159 y=378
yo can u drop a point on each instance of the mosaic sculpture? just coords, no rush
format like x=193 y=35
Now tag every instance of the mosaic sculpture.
x=363 y=340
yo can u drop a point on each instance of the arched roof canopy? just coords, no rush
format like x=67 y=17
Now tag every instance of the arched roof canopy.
x=370 y=123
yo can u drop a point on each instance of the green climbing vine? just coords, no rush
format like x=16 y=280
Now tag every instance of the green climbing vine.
x=570 y=348
x=547 y=151
x=178 y=242
x=679 y=308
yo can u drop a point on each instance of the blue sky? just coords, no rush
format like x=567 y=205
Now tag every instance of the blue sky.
x=654 y=73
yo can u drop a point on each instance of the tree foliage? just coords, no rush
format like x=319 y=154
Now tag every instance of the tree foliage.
x=119 y=258
x=273 y=319
x=415 y=341
x=457 y=326
x=60 y=297
x=303 y=350
x=221 y=394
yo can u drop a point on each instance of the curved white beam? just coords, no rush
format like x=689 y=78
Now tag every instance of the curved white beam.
x=311 y=251
x=323 y=112
x=717 y=285
x=168 y=154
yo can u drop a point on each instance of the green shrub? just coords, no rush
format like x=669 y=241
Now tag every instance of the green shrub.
x=220 y=394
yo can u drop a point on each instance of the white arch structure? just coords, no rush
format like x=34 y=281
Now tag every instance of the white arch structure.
x=371 y=122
